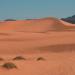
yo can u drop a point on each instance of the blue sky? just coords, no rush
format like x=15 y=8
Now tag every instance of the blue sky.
x=20 y=9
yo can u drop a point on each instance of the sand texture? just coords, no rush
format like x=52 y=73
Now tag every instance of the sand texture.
x=49 y=38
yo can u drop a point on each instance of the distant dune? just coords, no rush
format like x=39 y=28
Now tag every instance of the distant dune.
x=36 y=25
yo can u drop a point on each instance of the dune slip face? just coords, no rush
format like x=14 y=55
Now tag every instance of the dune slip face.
x=43 y=46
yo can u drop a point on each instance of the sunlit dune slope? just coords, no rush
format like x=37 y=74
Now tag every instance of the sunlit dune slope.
x=21 y=42
x=36 y=35
x=48 y=38
x=36 y=25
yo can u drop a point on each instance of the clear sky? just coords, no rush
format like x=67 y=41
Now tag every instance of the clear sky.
x=20 y=9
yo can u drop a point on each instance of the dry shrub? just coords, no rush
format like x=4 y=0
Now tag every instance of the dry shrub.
x=19 y=58
x=9 y=20
x=9 y=65
x=40 y=58
x=1 y=59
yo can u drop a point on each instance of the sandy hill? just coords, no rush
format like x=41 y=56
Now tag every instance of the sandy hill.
x=49 y=38
x=29 y=35
x=36 y=25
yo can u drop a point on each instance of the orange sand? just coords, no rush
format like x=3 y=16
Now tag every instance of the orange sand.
x=49 y=38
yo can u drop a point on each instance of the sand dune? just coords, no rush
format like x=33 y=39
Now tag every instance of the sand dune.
x=30 y=35
x=36 y=25
x=50 y=38
x=22 y=42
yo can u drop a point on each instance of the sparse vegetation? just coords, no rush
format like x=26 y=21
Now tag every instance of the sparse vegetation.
x=10 y=20
x=19 y=58
x=9 y=65
x=40 y=58
x=1 y=59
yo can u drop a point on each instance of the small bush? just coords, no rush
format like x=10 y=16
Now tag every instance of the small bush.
x=19 y=58
x=40 y=58
x=9 y=65
x=10 y=20
x=1 y=59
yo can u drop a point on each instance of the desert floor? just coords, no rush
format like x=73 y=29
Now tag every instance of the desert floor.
x=57 y=49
